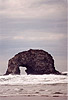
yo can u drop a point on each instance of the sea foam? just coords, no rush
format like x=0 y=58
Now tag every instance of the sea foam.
x=33 y=79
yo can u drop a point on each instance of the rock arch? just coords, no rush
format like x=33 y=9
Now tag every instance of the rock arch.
x=35 y=61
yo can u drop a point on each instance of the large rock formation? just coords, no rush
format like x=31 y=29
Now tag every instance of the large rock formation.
x=35 y=61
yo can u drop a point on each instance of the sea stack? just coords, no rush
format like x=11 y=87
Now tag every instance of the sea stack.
x=37 y=62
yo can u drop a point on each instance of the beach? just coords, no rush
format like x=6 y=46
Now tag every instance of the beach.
x=30 y=87
x=46 y=90
x=33 y=98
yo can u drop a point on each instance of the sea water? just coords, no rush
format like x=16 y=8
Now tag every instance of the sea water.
x=33 y=85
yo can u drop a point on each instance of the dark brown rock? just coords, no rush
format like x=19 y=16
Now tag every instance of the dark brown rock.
x=35 y=61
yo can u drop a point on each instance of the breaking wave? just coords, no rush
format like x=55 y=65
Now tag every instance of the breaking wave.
x=33 y=79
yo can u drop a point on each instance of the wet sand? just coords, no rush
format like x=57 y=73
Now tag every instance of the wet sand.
x=33 y=98
x=42 y=90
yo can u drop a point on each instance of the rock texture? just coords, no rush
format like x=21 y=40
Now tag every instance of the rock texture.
x=35 y=61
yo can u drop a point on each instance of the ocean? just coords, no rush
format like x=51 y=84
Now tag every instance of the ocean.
x=34 y=85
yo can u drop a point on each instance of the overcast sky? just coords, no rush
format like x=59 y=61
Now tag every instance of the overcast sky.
x=37 y=24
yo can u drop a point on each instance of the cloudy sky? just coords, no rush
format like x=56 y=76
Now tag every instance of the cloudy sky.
x=37 y=24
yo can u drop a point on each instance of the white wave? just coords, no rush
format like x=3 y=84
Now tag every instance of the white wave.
x=33 y=79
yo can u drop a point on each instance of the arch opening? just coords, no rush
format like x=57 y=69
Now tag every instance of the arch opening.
x=22 y=70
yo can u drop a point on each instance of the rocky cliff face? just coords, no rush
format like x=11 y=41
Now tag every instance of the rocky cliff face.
x=35 y=61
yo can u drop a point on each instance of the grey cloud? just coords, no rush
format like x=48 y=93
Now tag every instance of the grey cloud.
x=22 y=9
x=15 y=26
x=56 y=47
x=52 y=2
x=38 y=3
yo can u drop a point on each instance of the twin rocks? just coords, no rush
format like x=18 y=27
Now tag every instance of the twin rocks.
x=36 y=62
